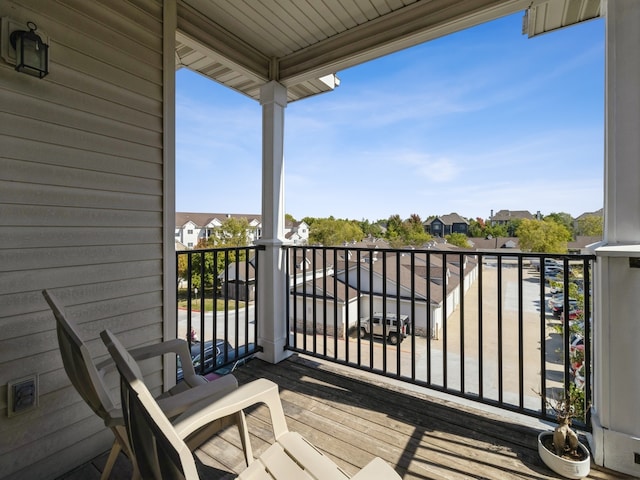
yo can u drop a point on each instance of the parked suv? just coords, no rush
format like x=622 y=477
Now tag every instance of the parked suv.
x=396 y=330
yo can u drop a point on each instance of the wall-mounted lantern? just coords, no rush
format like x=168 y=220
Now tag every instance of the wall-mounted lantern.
x=32 y=54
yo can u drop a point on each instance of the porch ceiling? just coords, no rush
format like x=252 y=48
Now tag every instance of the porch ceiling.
x=304 y=43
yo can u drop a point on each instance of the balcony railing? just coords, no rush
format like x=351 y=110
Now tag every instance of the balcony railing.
x=477 y=325
x=217 y=302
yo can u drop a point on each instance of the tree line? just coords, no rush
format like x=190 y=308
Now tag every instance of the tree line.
x=547 y=235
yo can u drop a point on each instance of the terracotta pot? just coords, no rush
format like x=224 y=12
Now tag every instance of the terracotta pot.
x=564 y=466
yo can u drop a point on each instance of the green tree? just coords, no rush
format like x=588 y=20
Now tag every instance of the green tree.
x=182 y=267
x=458 y=239
x=562 y=218
x=394 y=228
x=590 y=225
x=370 y=229
x=496 y=231
x=401 y=233
x=477 y=228
x=543 y=236
x=232 y=233
x=412 y=232
x=204 y=271
x=512 y=227
x=334 y=232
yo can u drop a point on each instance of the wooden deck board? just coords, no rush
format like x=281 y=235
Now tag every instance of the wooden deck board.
x=353 y=417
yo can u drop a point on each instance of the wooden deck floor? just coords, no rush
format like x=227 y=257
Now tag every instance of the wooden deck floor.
x=353 y=418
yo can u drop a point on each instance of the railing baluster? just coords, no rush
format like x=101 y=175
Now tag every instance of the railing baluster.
x=398 y=319
x=202 y=322
x=358 y=306
x=345 y=323
x=499 y=339
x=480 y=330
x=462 y=292
x=324 y=303
x=384 y=312
x=335 y=305
x=565 y=326
x=543 y=340
x=314 y=312
x=586 y=286
x=445 y=323
x=412 y=313
x=520 y=335
x=226 y=310
x=431 y=325
x=372 y=254
x=304 y=297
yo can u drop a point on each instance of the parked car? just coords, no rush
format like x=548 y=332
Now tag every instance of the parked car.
x=556 y=287
x=574 y=314
x=216 y=362
x=552 y=262
x=396 y=330
x=553 y=271
x=558 y=299
x=240 y=358
x=558 y=309
x=548 y=262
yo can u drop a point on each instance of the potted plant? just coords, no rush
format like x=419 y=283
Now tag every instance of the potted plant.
x=560 y=449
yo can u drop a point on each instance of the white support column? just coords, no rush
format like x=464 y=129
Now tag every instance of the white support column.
x=272 y=290
x=616 y=332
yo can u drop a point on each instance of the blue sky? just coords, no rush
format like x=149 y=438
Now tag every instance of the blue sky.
x=479 y=120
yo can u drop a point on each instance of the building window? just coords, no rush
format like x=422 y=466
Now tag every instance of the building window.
x=189 y=232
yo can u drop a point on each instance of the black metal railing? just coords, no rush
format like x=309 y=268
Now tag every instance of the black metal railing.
x=217 y=301
x=479 y=325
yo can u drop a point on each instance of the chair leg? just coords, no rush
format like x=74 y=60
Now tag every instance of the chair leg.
x=244 y=437
x=111 y=460
x=123 y=445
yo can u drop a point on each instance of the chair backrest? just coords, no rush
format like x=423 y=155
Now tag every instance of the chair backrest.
x=159 y=451
x=78 y=364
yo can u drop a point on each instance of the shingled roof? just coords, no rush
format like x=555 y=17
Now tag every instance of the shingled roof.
x=204 y=219
x=508 y=215
x=448 y=219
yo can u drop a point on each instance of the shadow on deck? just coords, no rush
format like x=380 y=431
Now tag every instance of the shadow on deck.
x=353 y=417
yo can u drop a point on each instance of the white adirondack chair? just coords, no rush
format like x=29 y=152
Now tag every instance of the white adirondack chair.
x=88 y=379
x=161 y=452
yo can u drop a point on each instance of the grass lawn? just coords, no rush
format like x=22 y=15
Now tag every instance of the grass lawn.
x=208 y=304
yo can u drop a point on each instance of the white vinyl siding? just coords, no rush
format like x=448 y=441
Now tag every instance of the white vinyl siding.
x=81 y=213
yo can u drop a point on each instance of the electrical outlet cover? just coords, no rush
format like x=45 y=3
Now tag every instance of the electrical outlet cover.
x=22 y=395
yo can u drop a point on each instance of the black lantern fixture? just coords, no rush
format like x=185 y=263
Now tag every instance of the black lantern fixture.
x=32 y=55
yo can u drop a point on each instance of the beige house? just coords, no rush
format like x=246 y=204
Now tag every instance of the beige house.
x=87 y=205
x=503 y=217
x=192 y=228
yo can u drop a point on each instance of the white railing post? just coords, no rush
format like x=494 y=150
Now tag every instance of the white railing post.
x=272 y=291
x=616 y=327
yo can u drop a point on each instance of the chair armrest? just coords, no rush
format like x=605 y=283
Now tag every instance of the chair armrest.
x=376 y=469
x=106 y=366
x=206 y=394
x=177 y=346
x=258 y=391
